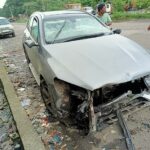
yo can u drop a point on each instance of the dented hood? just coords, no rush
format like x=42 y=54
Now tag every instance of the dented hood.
x=95 y=62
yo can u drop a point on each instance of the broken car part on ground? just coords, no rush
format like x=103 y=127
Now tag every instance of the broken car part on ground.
x=85 y=71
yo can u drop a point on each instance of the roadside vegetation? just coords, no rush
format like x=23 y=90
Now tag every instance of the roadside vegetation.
x=140 y=10
x=119 y=16
x=24 y=8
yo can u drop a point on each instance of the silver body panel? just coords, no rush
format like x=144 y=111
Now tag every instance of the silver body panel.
x=88 y=63
x=95 y=62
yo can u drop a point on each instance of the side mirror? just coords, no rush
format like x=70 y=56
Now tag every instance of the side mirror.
x=117 y=31
x=30 y=43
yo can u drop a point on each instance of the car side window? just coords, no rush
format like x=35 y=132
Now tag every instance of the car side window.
x=35 y=30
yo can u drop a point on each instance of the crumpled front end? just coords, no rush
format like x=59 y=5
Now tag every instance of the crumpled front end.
x=93 y=63
x=94 y=110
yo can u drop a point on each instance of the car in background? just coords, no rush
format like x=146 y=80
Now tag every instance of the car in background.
x=12 y=19
x=88 y=9
x=6 y=28
x=85 y=70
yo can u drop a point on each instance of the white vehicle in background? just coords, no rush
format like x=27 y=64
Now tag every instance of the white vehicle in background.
x=108 y=8
x=88 y=9
x=6 y=28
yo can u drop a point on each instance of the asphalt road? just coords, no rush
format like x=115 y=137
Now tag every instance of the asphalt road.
x=136 y=30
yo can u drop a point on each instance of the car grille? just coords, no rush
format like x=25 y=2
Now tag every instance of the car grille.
x=4 y=28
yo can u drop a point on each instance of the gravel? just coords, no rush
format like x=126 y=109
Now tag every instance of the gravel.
x=7 y=126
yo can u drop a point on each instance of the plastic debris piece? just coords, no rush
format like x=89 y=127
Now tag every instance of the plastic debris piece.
x=113 y=131
x=55 y=138
x=146 y=125
x=14 y=136
x=12 y=66
x=64 y=147
x=52 y=147
x=17 y=147
x=25 y=102
x=45 y=122
x=21 y=89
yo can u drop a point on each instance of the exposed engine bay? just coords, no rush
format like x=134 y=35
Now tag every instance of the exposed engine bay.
x=89 y=110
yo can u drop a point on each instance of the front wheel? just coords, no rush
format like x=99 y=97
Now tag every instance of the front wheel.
x=45 y=93
x=46 y=96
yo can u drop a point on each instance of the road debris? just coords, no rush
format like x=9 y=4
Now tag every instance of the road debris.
x=146 y=125
x=21 y=89
x=55 y=140
x=125 y=130
x=9 y=137
x=25 y=102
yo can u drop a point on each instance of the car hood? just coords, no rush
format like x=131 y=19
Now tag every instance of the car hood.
x=95 y=62
x=9 y=26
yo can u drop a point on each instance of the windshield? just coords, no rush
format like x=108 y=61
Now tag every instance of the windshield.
x=4 y=22
x=72 y=26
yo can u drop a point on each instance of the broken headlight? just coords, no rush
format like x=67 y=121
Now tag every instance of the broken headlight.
x=147 y=81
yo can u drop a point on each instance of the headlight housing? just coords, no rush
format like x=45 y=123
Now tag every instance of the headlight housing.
x=147 y=81
x=11 y=27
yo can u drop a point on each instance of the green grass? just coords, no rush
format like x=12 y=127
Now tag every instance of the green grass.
x=116 y=16
x=119 y=16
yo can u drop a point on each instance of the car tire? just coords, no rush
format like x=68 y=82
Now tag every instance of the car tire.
x=13 y=34
x=46 y=95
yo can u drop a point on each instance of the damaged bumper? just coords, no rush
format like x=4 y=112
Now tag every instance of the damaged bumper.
x=125 y=103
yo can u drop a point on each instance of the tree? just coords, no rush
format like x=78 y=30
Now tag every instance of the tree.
x=16 y=7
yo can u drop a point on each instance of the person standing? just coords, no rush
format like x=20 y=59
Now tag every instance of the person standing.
x=102 y=15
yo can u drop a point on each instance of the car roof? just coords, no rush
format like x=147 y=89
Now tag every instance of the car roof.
x=53 y=13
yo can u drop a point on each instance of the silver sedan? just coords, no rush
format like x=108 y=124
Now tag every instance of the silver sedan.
x=84 y=69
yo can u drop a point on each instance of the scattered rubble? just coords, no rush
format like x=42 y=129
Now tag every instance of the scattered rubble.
x=25 y=102
x=55 y=139
x=30 y=99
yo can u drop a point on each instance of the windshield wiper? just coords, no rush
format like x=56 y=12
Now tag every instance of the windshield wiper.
x=59 y=32
x=83 y=37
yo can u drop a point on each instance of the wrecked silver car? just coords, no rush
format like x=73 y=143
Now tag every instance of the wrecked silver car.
x=85 y=71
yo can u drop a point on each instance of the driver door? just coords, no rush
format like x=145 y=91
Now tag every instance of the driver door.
x=33 y=52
